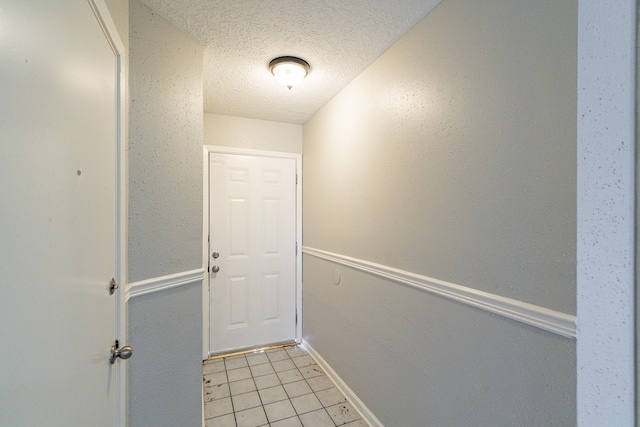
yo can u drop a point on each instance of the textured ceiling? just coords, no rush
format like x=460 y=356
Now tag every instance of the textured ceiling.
x=339 y=39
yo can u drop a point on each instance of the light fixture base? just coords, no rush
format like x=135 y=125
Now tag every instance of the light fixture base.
x=289 y=70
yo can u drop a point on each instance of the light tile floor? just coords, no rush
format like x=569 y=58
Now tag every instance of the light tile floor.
x=281 y=387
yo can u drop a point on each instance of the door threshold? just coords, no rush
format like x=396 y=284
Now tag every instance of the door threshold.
x=253 y=350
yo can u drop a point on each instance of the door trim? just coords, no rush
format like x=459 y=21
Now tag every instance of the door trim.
x=207 y=149
x=105 y=20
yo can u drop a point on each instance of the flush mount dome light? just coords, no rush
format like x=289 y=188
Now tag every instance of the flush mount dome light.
x=289 y=70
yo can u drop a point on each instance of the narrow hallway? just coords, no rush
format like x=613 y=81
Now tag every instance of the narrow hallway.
x=279 y=387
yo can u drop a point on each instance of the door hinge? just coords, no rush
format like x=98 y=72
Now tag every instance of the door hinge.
x=296 y=179
x=296 y=318
x=296 y=248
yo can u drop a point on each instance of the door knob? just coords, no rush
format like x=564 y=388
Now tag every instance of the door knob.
x=122 y=353
x=215 y=268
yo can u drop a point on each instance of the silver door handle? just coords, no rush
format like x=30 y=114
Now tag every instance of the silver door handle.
x=215 y=268
x=122 y=353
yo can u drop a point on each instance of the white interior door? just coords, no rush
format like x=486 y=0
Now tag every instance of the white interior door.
x=252 y=223
x=58 y=121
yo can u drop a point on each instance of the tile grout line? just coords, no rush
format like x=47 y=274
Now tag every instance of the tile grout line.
x=233 y=407
x=288 y=398
x=257 y=391
x=306 y=380
x=282 y=385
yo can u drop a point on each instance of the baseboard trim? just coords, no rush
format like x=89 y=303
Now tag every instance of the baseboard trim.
x=365 y=413
x=550 y=320
x=162 y=283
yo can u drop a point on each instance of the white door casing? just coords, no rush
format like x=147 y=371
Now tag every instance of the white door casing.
x=62 y=213
x=253 y=225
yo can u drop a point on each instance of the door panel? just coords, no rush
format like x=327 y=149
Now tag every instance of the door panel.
x=58 y=123
x=238 y=302
x=253 y=227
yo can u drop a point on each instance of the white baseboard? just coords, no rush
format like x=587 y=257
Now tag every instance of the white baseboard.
x=365 y=413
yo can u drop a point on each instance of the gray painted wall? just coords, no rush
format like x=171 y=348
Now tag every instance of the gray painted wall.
x=165 y=373
x=166 y=131
x=421 y=360
x=453 y=157
x=165 y=220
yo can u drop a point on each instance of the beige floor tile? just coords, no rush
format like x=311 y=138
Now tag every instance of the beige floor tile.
x=289 y=422
x=311 y=371
x=306 y=403
x=297 y=388
x=242 y=386
x=218 y=407
x=319 y=418
x=260 y=370
x=267 y=381
x=331 y=396
x=303 y=361
x=295 y=352
x=257 y=359
x=358 y=423
x=279 y=410
x=238 y=374
x=276 y=355
x=213 y=366
x=216 y=392
x=253 y=417
x=218 y=378
x=282 y=387
x=290 y=376
x=223 y=421
x=343 y=413
x=273 y=394
x=235 y=362
x=246 y=401
x=320 y=383
x=283 y=365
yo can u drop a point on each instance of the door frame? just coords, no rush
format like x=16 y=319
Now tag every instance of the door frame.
x=112 y=35
x=206 y=286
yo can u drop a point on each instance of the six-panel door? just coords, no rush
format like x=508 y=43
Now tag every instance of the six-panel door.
x=252 y=227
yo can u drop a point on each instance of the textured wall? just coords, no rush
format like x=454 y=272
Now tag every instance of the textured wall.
x=605 y=253
x=462 y=159
x=165 y=220
x=239 y=132
x=453 y=157
x=165 y=145
x=165 y=386
x=417 y=359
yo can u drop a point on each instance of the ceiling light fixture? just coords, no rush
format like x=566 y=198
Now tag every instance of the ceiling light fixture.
x=289 y=70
